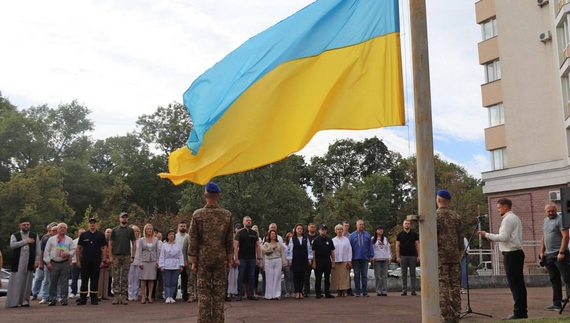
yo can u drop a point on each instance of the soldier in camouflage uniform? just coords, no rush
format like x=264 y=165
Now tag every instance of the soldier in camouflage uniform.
x=450 y=249
x=210 y=252
x=191 y=287
x=122 y=246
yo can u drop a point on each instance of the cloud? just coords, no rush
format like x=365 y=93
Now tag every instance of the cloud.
x=123 y=59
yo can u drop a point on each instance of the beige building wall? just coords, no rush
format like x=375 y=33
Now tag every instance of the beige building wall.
x=530 y=83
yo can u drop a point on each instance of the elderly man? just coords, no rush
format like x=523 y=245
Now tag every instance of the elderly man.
x=554 y=250
x=362 y=253
x=57 y=256
x=25 y=260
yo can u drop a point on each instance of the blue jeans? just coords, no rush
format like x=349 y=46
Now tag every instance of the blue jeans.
x=360 y=267
x=464 y=272
x=246 y=266
x=75 y=271
x=38 y=280
x=170 y=280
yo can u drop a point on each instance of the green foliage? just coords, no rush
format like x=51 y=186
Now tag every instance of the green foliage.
x=51 y=170
x=167 y=128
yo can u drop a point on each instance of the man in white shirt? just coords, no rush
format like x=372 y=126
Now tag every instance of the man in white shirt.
x=179 y=237
x=57 y=257
x=510 y=244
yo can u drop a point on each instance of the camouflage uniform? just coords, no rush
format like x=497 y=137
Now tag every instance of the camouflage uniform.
x=120 y=273
x=192 y=278
x=450 y=249
x=211 y=245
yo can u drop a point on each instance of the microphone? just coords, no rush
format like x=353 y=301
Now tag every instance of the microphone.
x=482 y=216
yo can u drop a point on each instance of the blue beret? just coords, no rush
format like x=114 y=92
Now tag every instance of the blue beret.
x=212 y=187
x=445 y=194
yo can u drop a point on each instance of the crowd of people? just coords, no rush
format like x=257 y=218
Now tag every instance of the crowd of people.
x=218 y=261
x=130 y=266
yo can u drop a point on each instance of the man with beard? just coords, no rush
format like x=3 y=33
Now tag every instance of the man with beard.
x=122 y=247
x=510 y=244
x=25 y=260
x=247 y=254
x=179 y=237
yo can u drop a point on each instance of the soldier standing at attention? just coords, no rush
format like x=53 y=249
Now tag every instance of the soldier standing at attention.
x=450 y=250
x=210 y=252
x=122 y=250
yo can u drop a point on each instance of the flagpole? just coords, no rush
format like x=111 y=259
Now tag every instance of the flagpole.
x=425 y=163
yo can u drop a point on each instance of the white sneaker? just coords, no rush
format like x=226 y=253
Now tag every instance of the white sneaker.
x=43 y=301
x=172 y=300
x=72 y=295
x=59 y=299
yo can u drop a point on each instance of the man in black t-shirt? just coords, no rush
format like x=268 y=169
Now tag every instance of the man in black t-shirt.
x=408 y=255
x=323 y=260
x=91 y=250
x=311 y=235
x=247 y=255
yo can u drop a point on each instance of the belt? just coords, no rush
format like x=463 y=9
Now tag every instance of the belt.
x=507 y=252
x=59 y=262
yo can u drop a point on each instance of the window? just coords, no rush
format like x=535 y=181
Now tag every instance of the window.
x=492 y=71
x=496 y=115
x=499 y=158
x=489 y=28
x=565 y=35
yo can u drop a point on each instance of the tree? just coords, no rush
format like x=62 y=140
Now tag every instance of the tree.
x=272 y=193
x=36 y=194
x=466 y=191
x=168 y=128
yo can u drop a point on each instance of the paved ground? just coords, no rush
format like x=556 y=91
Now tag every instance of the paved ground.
x=394 y=308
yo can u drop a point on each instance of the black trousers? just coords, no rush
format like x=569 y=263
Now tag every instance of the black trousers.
x=514 y=263
x=89 y=272
x=558 y=273
x=298 y=280
x=323 y=266
x=307 y=286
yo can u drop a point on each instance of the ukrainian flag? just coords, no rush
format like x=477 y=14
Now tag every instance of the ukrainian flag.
x=333 y=65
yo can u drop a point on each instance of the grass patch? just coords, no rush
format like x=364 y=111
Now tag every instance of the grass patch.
x=545 y=320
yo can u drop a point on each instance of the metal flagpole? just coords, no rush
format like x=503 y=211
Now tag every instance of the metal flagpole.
x=425 y=163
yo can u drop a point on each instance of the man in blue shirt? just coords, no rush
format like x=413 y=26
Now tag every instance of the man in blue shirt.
x=362 y=253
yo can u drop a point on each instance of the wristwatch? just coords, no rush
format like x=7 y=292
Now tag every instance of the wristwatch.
x=561 y=252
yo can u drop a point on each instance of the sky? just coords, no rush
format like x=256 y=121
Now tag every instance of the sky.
x=123 y=59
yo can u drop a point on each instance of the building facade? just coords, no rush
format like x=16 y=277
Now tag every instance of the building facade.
x=525 y=53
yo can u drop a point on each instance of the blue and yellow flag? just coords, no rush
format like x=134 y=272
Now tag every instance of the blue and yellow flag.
x=333 y=65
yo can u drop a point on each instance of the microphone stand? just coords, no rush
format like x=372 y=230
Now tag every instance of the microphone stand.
x=468 y=310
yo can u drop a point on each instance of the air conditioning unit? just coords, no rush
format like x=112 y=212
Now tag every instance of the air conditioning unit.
x=541 y=2
x=545 y=36
x=554 y=195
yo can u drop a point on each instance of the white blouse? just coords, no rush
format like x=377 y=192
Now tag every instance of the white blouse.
x=342 y=249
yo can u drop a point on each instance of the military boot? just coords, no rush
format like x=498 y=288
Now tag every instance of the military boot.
x=82 y=299
x=94 y=299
